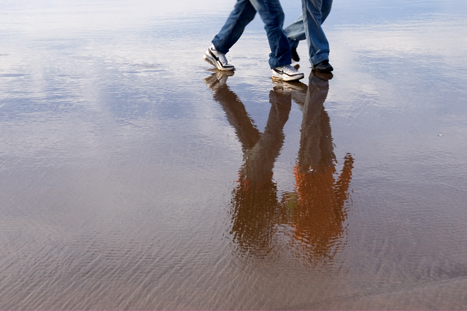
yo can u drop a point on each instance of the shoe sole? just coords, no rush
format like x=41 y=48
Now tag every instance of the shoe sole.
x=323 y=70
x=290 y=87
x=285 y=77
x=213 y=61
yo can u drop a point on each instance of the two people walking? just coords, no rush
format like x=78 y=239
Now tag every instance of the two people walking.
x=283 y=42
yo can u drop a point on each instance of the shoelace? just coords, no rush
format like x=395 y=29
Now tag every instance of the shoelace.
x=289 y=69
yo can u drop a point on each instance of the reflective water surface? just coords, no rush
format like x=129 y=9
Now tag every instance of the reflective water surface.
x=133 y=176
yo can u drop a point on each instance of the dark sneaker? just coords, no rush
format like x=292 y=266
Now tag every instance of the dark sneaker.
x=295 y=56
x=217 y=59
x=286 y=73
x=322 y=75
x=323 y=66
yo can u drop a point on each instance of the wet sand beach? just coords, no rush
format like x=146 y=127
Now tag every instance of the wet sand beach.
x=134 y=176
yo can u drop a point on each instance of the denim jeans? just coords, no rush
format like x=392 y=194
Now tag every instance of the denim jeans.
x=271 y=14
x=308 y=26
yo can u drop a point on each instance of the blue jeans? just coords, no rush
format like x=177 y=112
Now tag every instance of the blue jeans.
x=308 y=26
x=271 y=14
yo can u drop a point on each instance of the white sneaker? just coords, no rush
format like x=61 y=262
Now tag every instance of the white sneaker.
x=217 y=59
x=286 y=73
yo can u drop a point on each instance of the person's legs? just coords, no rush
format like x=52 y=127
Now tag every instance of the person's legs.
x=242 y=14
x=295 y=32
x=272 y=15
x=325 y=9
x=318 y=45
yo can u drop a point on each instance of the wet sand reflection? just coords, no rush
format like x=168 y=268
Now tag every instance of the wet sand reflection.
x=125 y=185
x=315 y=212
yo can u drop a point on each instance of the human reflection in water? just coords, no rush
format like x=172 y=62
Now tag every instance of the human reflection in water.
x=314 y=213
x=255 y=209
x=318 y=203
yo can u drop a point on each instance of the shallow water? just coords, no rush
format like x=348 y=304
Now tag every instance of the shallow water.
x=132 y=176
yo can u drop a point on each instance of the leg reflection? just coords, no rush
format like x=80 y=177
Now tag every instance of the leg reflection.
x=254 y=206
x=316 y=210
x=319 y=210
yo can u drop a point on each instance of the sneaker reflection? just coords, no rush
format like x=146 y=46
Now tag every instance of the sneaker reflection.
x=308 y=220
